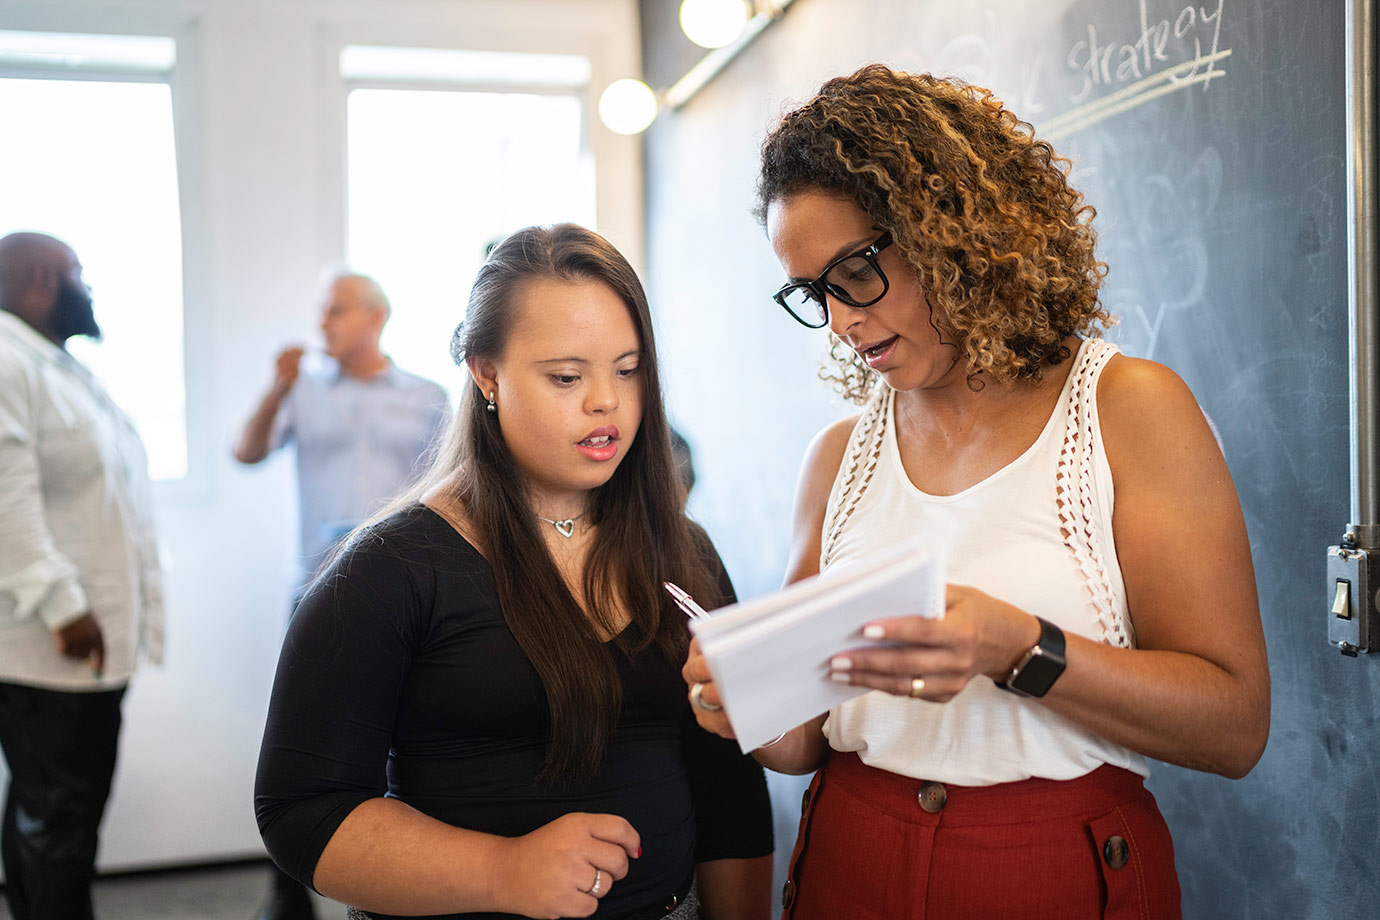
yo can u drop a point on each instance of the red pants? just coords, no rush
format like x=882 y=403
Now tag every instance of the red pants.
x=873 y=844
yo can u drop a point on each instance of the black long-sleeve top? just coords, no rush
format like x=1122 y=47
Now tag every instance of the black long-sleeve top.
x=399 y=677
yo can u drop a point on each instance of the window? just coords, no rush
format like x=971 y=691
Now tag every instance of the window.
x=97 y=169
x=436 y=174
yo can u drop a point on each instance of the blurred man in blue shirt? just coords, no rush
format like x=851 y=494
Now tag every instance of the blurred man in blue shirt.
x=361 y=426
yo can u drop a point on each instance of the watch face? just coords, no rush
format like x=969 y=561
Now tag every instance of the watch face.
x=1038 y=675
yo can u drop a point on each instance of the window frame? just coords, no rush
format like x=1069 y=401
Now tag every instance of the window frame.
x=183 y=82
x=333 y=239
x=335 y=195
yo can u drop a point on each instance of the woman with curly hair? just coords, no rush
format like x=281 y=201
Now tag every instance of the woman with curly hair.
x=1102 y=606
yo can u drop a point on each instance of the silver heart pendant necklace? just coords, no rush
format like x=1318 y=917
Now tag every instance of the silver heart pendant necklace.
x=565 y=528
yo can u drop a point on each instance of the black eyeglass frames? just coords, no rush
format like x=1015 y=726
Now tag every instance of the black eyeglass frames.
x=856 y=279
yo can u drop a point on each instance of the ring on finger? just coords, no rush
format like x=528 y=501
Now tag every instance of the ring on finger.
x=917 y=686
x=598 y=885
x=699 y=702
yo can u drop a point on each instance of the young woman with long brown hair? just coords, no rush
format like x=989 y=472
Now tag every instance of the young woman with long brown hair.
x=477 y=710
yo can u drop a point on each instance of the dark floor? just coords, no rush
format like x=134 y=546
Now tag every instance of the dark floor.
x=223 y=892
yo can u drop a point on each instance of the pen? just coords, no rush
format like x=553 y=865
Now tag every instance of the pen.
x=685 y=602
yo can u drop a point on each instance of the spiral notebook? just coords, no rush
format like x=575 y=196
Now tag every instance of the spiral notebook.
x=769 y=656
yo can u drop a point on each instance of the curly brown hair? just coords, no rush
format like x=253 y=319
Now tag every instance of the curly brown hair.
x=979 y=208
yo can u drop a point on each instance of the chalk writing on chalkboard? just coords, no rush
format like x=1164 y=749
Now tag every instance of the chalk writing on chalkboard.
x=1167 y=54
x=1104 y=70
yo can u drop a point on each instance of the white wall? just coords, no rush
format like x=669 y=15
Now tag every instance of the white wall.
x=260 y=135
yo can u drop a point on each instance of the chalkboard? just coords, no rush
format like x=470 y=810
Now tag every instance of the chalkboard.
x=1211 y=139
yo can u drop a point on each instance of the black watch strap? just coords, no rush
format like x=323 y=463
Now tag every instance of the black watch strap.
x=1040 y=667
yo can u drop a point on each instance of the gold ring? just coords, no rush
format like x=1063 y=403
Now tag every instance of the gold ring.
x=917 y=686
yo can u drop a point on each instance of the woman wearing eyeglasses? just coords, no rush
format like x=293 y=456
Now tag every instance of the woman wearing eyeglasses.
x=1101 y=607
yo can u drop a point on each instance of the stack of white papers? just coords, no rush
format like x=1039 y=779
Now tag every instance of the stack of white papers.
x=769 y=657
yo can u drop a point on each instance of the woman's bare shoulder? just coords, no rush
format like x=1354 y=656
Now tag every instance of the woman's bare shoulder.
x=825 y=454
x=1151 y=421
x=820 y=467
x=1132 y=385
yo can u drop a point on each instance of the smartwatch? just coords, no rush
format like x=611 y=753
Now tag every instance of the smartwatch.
x=1040 y=667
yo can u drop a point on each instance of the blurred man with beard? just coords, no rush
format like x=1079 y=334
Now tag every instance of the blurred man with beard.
x=80 y=590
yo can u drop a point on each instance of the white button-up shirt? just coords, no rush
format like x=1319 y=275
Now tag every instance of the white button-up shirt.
x=76 y=519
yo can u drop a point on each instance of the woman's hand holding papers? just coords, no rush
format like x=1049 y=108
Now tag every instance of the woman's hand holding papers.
x=800 y=750
x=978 y=634
x=696 y=673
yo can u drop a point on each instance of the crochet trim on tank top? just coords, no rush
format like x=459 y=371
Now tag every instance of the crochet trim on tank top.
x=1074 y=485
x=859 y=465
x=1074 y=491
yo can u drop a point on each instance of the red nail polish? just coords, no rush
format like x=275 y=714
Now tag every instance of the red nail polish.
x=638 y=854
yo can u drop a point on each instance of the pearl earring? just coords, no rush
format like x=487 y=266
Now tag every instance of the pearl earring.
x=491 y=405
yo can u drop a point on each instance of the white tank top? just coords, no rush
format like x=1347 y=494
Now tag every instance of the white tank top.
x=1037 y=534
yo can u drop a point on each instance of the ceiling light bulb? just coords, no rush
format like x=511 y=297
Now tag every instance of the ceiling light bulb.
x=627 y=106
x=713 y=23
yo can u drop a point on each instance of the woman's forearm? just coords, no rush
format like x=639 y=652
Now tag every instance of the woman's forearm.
x=802 y=750
x=1172 y=706
x=390 y=858
x=386 y=856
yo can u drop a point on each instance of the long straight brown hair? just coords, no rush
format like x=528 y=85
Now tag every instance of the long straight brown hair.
x=642 y=536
